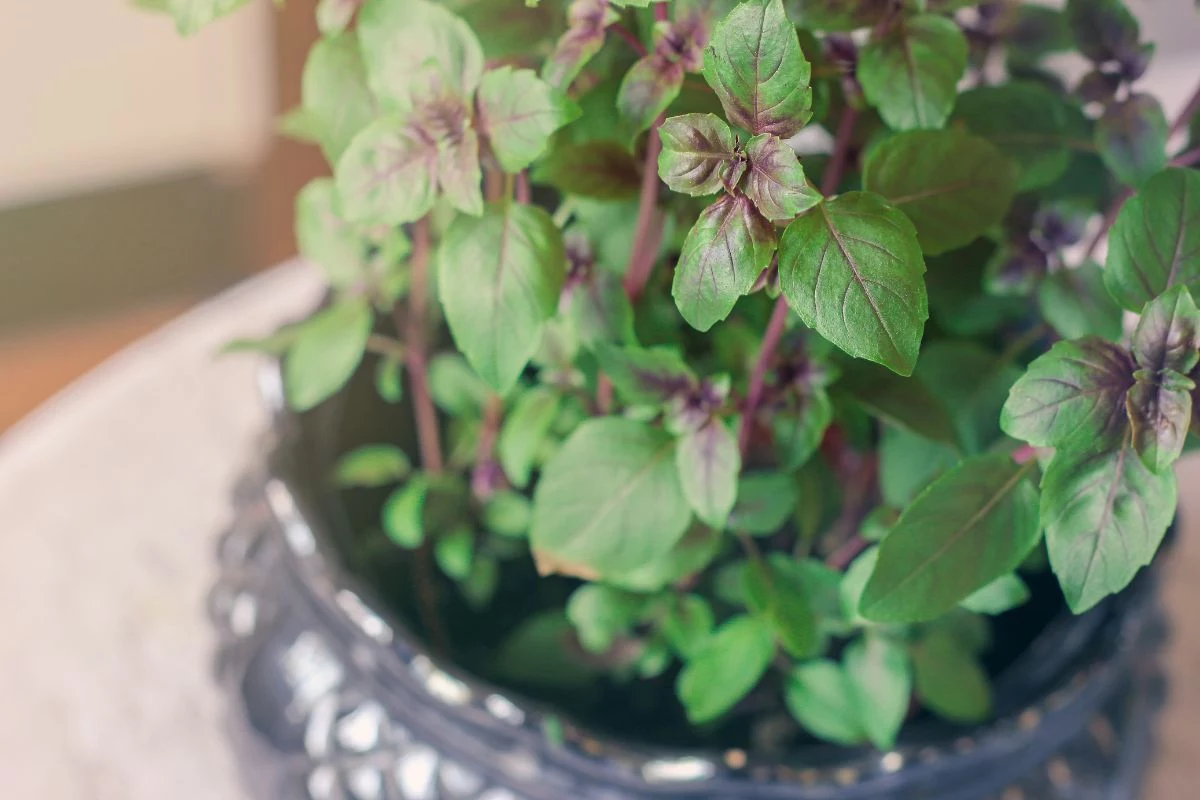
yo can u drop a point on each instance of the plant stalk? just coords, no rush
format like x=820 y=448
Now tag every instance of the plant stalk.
x=483 y=482
x=779 y=315
x=645 y=238
x=428 y=438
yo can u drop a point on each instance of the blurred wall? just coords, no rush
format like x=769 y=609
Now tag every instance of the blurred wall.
x=96 y=92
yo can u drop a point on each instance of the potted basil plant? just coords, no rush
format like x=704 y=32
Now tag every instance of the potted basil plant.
x=720 y=400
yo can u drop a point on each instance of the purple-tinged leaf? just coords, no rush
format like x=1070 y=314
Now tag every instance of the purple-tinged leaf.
x=645 y=376
x=709 y=462
x=388 y=174
x=1105 y=514
x=758 y=71
x=1155 y=242
x=799 y=426
x=1160 y=411
x=775 y=182
x=587 y=21
x=699 y=155
x=1104 y=30
x=651 y=85
x=1132 y=138
x=518 y=112
x=1168 y=333
x=723 y=255
x=1072 y=396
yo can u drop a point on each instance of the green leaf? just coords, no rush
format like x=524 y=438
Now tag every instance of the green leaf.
x=499 y=280
x=880 y=678
x=755 y=65
x=648 y=88
x=508 y=514
x=335 y=94
x=973 y=383
x=709 y=463
x=388 y=174
x=524 y=432
x=1105 y=514
x=852 y=269
x=1026 y=122
x=1132 y=138
x=949 y=681
x=645 y=376
x=333 y=16
x=854 y=582
x=775 y=181
x=389 y=380
x=975 y=523
x=1076 y=303
x=837 y=15
x=325 y=238
x=765 y=501
x=584 y=37
x=192 y=15
x=952 y=185
x=1103 y=29
x=413 y=47
x=1035 y=32
x=903 y=402
x=1160 y=413
x=455 y=387
x=1155 y=241
x=403 y=513
x=723 y=255
x=599 y=308
x=600 y=169
x=822 y=698
x=518 y=112
x=327 y=350
x=609 y=501
x=800 y=426
x=454 y=553
x=688 y=625
x=543 y=653
x=373 y=465
x=726 y=668
x=781 y=599
x=1072 y=396
x=693 y=553
x=600 y=614
x=1168 y=333
x=909 y=462
x=698 y=154
x=911 y=73
x=1007 y=591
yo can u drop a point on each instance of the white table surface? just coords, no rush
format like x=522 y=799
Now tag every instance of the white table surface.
x=112 y=496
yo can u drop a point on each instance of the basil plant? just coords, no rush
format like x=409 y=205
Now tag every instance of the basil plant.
x=776 y=336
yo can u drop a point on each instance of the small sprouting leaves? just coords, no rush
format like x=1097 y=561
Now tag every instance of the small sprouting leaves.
x=1168 y=333
x=723 y=255
x=372 y=465
x=587 y=22
x=1155 y=242
x=852 y=270
x=1025 y=121
x=646 y=376
x=1104 y=30
x=609 y=501
x=821 y=697
x=416 y=48
x=775 y=181
x=518 y=112
x=952 y=185
x=1132 y=138
x=972 y=525
x=910 y=74
x=499 y=280
x=880 y=677
x=654 y=81
x=709 y=464
x=1073 y=395
x=698 y=154
x=1160 y=412
x=325 y=352
x=1105 y=514
x=758 y=71
x=725 y=668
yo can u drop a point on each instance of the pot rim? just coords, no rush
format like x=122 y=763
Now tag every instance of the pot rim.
x=1068 y=690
